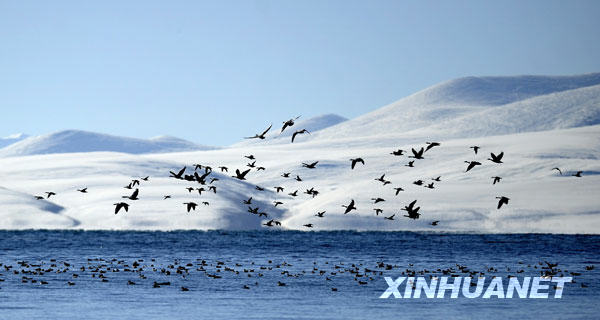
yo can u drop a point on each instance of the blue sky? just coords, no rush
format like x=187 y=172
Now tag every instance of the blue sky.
x=213 y=72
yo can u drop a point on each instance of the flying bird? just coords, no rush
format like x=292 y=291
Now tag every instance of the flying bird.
x=133 y=196
x=502 y=200
x=288 y=123
x=299 y=132
x=431 y=145
x=390 y=217
x=241 y=175
x=435 y=223
x=84 y=190
x=475 y=148
x=417 y=154
x=438 y=179
x=496 y=158
x=349 y=207
x=496 y=180
x=578 y=174
x=320 y=214
x=309 y=225
x=355 y=161
x=49 y=194
x=377 y=211
x=260 y=136
x=310 y=166
x=377 y=200
x=190 y=206
x=398 y=190
x=410 y=164
x=179 y=174
x=472 y=165
x=121 y=205
x=413 y=213
x=249 y=201
x=398 y=152
x=223 y=169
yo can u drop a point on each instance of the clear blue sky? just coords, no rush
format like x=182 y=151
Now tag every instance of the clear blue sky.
x=213 y=72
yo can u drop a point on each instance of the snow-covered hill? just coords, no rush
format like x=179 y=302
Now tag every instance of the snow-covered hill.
x=470 y=102
x=552 y=122
x=70 y=141
x=6 y=141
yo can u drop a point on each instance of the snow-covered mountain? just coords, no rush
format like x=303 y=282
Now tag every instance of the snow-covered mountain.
x=71 y=141
x=12 y=139
x=538 y=122
x=475 y=106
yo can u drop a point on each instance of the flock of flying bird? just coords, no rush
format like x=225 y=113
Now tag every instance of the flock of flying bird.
x=206 y=182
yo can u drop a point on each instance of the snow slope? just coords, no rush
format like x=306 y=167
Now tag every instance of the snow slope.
x=555 y=125
x=12 y=139
x=69 y=141
x=476 y=97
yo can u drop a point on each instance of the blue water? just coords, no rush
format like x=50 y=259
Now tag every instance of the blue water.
x=285 y=256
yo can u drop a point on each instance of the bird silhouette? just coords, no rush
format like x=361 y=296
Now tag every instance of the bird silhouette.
x=260 y=136
x=299 y=132
x=559 y=171
x=378 y=211
x=251 y=157
x=496 y=180
x=502 y=200
x=84 y=190
x=349 y=207
x=418 y=182
x=320 y=214
x=278 y=189
x=49 y=194
x=178 y=175
x=356 y=160
x=166 y=197
x=145 y=178
x=260 y=168
x=472 y=165
x=286 y=174
x=398 y=152
x=311 y=165
x=288 y=123
x=259 y=188
x=276 y=203
x=578 y=174
x=435 y=223
x=293 y=194
x=121 y=205
x=438 y=179
x=413 y=213
x=417 y=154
x=377 y=200
x=381 y=179
x=410 y=164
x=496 y=158
x=241 y=175
x=298 y=178
x=249 y=201
x=251 y=165
x=190 y=206
x=390 y=217
x=398 y=190
x=39 y=198
x=430 y=186
x=223 y=169
x=309 y=225
x=475 y=149
x=431 y=145
x=133 y=196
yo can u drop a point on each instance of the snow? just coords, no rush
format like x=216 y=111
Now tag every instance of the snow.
x=552 y=122
x=10 y=139
x=69 y=141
